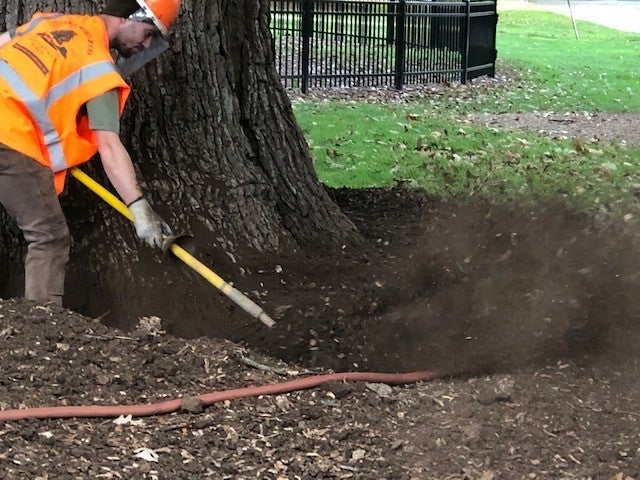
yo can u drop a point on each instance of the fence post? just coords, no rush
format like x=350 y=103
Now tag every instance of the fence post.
x=401 y=44
x=307 y=32
x=390 y=19
x=464 y=44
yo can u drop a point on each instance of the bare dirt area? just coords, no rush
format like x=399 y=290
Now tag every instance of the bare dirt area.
x=530 y=317
x=620 y=128
x=559 y=421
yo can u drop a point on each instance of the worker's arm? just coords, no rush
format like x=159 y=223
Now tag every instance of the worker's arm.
x=4 y=38
x=104 y=120
x=117 y=165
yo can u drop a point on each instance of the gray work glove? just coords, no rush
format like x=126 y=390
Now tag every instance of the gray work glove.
x=149 y=226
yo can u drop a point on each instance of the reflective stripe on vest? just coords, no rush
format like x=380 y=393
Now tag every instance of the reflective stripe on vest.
x=38 y=107
x=34 y=23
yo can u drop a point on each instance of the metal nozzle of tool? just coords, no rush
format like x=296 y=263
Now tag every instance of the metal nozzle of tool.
x=182 y=240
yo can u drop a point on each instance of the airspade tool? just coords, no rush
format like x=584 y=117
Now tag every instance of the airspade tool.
x=178 y=246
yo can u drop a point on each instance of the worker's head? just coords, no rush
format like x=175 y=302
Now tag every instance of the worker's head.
x=160 y=13
x=143 y=24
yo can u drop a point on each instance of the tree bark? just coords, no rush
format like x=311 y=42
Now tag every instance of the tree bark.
x=213 y=135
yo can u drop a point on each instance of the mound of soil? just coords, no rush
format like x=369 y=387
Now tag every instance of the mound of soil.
x=529 y=314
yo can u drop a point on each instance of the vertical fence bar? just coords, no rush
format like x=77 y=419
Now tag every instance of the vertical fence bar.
x=464 y=43
x=431 y=55
x=371 y=51
x=354 y=12
x=321 y=41
x=365 y=21
x=295 y=46
x=391 y=21
x=318 y=39
x=400 y=44
x=345 y=42
x=454 y=39
x=453 y=31
x=338 y=12
x=276 y=34
x=377 y=48
x=456 y=36
x=339 y=39
x=410 y=35
x=307 y=32
x=418 y=48
x=296 y=60
x=359 y=39
x=330 y=38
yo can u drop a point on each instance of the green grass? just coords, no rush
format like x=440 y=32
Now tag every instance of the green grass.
x=358 y=144
x=597 y=72
x=373 y=145
x=555 y=71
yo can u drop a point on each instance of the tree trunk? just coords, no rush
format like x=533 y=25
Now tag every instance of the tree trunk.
x=212 y=133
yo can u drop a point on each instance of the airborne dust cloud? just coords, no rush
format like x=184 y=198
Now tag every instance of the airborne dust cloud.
x=493 y=288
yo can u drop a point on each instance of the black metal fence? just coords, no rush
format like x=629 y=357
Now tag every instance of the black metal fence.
x=332 y=43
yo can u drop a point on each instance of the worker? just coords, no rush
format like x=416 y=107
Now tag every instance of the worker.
x=61 y=97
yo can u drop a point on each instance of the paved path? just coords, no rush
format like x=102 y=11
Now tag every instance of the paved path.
x=618 y=14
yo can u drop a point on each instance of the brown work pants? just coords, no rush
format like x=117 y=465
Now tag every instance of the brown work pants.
x=28 y=194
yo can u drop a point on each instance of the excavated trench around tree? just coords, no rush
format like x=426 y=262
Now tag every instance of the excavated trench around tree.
x=463 y=287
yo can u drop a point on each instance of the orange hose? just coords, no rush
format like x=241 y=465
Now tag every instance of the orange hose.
x=170 y=406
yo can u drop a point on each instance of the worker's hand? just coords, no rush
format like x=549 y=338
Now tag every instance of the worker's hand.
x=149 y=226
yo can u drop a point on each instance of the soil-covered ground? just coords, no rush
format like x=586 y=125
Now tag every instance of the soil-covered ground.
x=530 y=316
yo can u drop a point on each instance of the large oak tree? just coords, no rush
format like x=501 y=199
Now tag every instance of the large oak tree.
x=212 y=133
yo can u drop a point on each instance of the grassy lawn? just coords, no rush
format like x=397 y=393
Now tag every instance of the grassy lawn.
x=423 y=144
x=597 y=72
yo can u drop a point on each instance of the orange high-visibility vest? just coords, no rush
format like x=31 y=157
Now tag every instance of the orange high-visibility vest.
x=48 y=71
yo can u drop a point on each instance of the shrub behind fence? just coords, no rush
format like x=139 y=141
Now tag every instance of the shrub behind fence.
x=332 y=43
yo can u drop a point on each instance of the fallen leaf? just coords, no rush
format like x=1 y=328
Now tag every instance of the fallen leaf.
x=128 y=420
x=146 y=454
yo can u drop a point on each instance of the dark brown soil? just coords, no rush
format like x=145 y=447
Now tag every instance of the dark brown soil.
x=531 y=314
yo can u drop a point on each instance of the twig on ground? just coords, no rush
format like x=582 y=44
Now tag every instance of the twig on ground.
x=263 y=367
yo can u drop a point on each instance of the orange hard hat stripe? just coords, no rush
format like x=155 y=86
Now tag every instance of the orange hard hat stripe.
x=164 y=12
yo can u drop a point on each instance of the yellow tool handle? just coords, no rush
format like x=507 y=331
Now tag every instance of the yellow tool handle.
x=102 y=192
x=233 y=293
